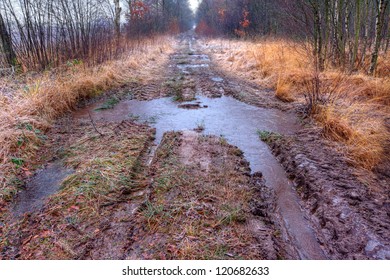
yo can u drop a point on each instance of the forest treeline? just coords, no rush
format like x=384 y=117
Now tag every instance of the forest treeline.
x=37 y=34
x=344 y=33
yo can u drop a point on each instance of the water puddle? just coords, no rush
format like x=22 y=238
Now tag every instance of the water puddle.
x=43 y=184
x=217 y=79
x=239 y=124
x=191 y=56
x=200 y=57
x=236 y=121
x=184 y=67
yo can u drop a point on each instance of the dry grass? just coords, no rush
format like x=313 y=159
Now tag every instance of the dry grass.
x=31 y=103
x=283 y=91
x=363 y=133
x=357 y=103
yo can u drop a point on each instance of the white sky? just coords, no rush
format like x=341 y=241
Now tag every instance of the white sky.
x=194 y=4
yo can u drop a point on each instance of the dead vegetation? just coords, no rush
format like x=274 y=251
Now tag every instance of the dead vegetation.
x=199 y=205
x=352 y=109
x=31 y=103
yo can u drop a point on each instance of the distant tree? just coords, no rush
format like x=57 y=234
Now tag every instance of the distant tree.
x=6 y=43
x=117 y=20
x=47 y=33
x=343 y=33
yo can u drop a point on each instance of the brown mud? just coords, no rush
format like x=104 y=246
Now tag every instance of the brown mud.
x=172 y=167
x=350 y=207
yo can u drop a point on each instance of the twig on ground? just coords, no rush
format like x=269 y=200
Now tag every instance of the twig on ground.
x=94 y=126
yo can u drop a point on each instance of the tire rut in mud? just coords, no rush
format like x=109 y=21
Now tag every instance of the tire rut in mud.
x=349 y=207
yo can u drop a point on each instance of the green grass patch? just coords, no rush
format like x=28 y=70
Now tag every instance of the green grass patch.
x=109 y=104
x=267 y=136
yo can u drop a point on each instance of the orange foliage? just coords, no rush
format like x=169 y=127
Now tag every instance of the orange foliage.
x=245 y=23
x=174 y=27
x=204 y=29
x=222 y=14
x=138 y=10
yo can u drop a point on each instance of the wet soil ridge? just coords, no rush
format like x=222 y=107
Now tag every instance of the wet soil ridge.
x=351 y=210
x=90 y=216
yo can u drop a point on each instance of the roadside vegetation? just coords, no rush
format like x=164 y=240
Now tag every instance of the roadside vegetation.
x=50 y=61
x=352 y=108
x=39 y=99
x=329 y=57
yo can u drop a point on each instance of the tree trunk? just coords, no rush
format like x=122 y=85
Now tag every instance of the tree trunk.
x=7 y=43
x=117 y=21
x=380 y=18
x=357 y=35
x=318 y=43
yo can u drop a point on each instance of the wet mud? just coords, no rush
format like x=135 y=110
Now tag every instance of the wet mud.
x=195 y=180
x=349 y=207
x=45 y=183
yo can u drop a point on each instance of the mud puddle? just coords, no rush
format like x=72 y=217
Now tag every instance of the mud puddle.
x=45 y=183
x=239 y=124
x=194 y=57
x=217 y=79
x=184 y=67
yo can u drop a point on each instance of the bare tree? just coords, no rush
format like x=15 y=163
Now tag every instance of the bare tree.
x=117 y=20
x=380 y=21
x=7 y=43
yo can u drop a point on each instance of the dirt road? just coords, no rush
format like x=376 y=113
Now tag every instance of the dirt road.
x=176 y=168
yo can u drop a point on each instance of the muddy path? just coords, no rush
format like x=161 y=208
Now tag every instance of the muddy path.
x=174 y=168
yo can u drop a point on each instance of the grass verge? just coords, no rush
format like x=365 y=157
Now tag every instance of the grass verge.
x=108 y=172
x=354 y=107
x=31 y=103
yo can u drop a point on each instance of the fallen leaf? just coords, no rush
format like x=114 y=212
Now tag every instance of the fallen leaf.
x=73 y=207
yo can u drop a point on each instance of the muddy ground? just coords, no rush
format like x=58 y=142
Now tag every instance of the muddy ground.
x=118 y=191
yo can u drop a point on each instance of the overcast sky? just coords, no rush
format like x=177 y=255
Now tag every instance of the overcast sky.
x=194 y=4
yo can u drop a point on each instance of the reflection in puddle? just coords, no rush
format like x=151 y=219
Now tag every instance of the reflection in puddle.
x=239 y=124
x=225 y=116
x=192 y=66
x=200 y=57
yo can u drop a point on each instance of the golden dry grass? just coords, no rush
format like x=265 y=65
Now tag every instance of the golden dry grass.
x=29 y=106
x=283 y=91
x=356 y=116
x=364 y=133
